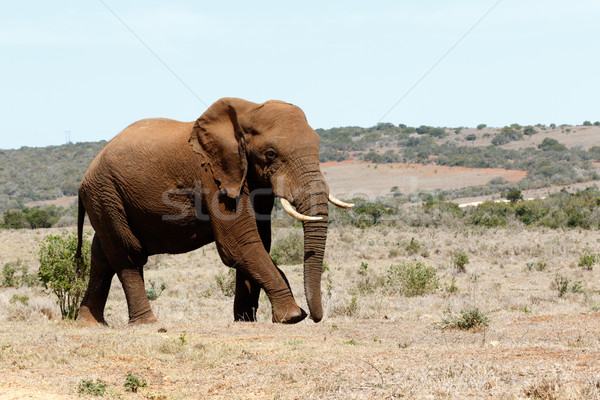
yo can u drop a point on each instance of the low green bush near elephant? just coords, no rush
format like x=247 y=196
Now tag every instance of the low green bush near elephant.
x=60 y=272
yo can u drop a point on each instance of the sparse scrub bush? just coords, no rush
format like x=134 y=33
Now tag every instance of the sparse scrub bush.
x=564 y=285
x=59 y=271
x=91 y=387
x=471 y=318
x=538 y=265
x=514 y=195
x=155 y=291
x=411 y=279
x=18 y=298
x=225 y=282
x=481 y=126
x=289 y=249
x=134 y=382
x=460 y=259
x=349 y=308
x=452 y=288
x=587 y=260
x=413 y=247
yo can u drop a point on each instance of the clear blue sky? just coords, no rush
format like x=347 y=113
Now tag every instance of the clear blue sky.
x=73 y=66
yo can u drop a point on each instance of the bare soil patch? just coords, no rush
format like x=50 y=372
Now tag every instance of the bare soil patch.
x=351 y=179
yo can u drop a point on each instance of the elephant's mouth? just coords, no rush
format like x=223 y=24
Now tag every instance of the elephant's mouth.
x=306 y=218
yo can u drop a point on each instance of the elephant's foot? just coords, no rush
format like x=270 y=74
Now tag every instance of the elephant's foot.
x=288 y=315
x=245 y=316
x=85 y=317
x=145 y=318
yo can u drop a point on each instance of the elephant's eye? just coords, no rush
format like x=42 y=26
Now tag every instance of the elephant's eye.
x=270 y=155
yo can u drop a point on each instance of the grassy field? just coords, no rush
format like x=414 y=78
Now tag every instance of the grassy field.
x=373 y=343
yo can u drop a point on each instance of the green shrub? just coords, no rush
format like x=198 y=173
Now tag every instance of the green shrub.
x=481 y=126
x=154 y=292
x=549 y=144
x=14 y=219
x=467 y=319
x=538 y=265
x=288 y=249
x=514 y=195
x=411 y=279
x=564 y=285
x=89 y=387
x=413 y=247
x=460 y=259
x=17 y=298
x=587 y=260
x=452 y=288
x=471 y=137
x=16 y=274
x=41 y=218
x=133 y=383
x=62 y=273
x=226 y=282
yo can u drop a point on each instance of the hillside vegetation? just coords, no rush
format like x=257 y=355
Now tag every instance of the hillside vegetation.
x=550 y=155
x=43 y=173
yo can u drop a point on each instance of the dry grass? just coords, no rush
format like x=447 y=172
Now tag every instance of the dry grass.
x=379 y=345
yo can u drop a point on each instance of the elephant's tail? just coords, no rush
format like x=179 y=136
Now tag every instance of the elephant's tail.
x=80 y=219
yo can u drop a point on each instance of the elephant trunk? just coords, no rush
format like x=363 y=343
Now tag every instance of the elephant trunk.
x=314 y=203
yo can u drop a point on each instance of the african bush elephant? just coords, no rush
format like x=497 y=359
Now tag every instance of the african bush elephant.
x=164 y=186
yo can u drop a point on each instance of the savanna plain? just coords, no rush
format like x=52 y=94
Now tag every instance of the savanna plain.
x=405 y=317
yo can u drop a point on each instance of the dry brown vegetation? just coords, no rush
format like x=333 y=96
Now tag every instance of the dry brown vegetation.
x=373 y=343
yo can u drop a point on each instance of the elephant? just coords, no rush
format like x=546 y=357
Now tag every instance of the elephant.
x=165 y=186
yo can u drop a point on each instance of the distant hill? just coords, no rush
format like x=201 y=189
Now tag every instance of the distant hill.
x=549 y=154
x=43 y=173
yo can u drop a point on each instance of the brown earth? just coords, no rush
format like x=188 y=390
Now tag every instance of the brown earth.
x=350 y=179
x=372 y=344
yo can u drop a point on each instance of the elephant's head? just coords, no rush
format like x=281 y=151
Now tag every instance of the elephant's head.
x=273 y=143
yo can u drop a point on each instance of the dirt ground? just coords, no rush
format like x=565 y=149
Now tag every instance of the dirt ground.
x=367 y=180
x=370 y=345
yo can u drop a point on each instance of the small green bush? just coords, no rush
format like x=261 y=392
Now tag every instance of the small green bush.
x=467 y=319
x=226 y=282
x=587 y=260
x=154 y=292
x=89 y=387
x=288 y=249
x=62 y=273
x=17 y=298
x=564 y=285
x=460 y=259
x=411 y=279
x=538 y=265
x=133 y=383
x=413 y=247
x=514 y=195
x=481 y=126
x=16 y=274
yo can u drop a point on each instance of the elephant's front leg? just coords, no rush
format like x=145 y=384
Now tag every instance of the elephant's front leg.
x=240 y=246
x=247 y=292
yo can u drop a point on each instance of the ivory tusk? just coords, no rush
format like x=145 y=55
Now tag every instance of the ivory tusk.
x=293 y=213
x=339 y=203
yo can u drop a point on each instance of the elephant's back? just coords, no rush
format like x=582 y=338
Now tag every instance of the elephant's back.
x=141 y=151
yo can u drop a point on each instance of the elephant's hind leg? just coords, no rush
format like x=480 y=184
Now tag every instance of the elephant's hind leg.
x=91 y=311
x=140 y=311
x=245 y=303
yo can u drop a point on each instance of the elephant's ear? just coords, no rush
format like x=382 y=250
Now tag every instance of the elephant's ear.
x=218 y=138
